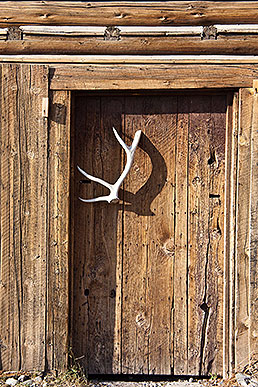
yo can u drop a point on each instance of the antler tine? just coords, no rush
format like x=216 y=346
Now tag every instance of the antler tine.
x=129 y=153
x=119 y=139
x=114 y=188
x=93 y=178
x=98 y=199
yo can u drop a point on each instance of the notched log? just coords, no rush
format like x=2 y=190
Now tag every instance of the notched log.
x=209 y=32
x=14 y=33
x=112 y=33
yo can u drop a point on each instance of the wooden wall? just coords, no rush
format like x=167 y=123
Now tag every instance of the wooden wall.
x=34 y=224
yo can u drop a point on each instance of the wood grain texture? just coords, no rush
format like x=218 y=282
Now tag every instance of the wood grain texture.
x=10 y=256
x=253 y=342
x=206 y=229
x=23 y=216
x=242 y=301
x=165 y=277
x=141 y=45
x=230 y=234
x=96 y=293
x=127 y=13
x=180 y=314
x=58 y=223
x=147 y=315
x=159 y=76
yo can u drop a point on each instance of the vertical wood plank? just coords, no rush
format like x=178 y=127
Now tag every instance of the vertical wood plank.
x=33 y=160
x=147 y=323
x=242 y=302
x=58 y=199
x=253 y=335
x=232 y=125
x=11 y=292
x=180 y=330
x=206 y=228
x=24 y=219
x=96 y=246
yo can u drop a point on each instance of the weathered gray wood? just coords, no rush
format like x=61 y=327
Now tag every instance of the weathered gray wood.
x=24 y=187
x=127 y=13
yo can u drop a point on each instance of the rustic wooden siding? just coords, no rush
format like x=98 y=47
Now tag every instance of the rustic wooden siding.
x=127 y=13
x=34 y=221
x=24 y=214
x=34 y=225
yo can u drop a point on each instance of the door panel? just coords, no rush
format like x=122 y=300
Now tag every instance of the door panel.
x=148 y=271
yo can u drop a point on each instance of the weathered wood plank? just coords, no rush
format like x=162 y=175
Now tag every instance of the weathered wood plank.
x=213 y=354
x=58 y=199
x=180 y=312
x=230 y=233
x=116 y=77
x=253 y=341
x=206 y=255
x=242 y=303
x=142 y=45
x=147 y=320
x=76 y=60
x=127 y=13
x=95 y=249
x=33 y=139
x=24 y=219
x=11 y=286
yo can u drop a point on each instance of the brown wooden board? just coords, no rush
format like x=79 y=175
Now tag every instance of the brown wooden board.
x=206 y=206
x=58 y=202
x=246 y=218
x=23 y=216
x=109 y=13
x=230 y=233
x=242 y=296
x=151 y=76
x=253 y=341
x=142 y=45
x=148 y=272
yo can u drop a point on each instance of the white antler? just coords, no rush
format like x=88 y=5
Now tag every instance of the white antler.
x=114 y=188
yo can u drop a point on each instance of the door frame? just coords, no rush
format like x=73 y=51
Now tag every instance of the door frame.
x=241 y=141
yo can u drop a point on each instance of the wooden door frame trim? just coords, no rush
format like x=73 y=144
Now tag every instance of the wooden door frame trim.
x=151 y=76
x=230 y=159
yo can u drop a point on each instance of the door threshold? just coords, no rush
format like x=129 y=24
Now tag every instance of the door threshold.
x=146 y=378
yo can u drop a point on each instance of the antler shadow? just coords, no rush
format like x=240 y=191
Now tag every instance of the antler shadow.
x=140 y=201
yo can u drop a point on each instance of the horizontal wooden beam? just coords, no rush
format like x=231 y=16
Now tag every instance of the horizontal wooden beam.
x=166 y=77
x=108 y=13
x=133 y=46
x=56 y=60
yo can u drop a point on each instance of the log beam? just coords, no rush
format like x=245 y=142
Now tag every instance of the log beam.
x=109 y=13
x=133 y=46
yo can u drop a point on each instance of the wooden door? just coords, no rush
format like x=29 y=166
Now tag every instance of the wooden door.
x=148 y=272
